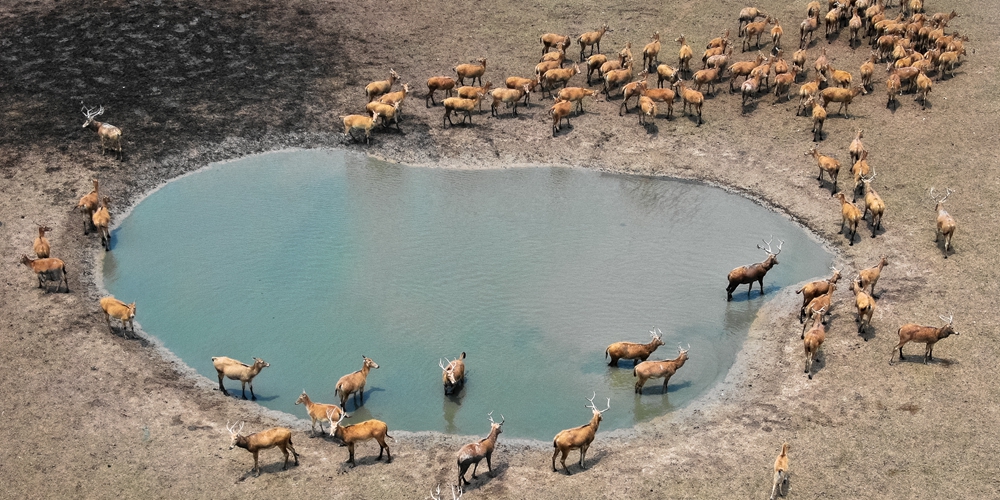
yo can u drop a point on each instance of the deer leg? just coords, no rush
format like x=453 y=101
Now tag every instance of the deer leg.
x=350 y=451
x=489 y=465
x=474 y=467
x=253 y=397
x=583 y=455
x=761 y=281
x=256 y=468
x=244 y=386
x=221 y=376
x=461 y=474
x=294 y=454
x=284 y=451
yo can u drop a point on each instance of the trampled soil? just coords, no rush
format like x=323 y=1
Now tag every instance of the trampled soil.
x=90 y=414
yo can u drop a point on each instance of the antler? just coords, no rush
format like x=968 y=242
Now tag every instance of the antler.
x=945 y=196
x=490 y=414
x=768 y=243
x=90 y=113
x=655 y=333
x=948 y=319
x=329 y=416
x=442 y=364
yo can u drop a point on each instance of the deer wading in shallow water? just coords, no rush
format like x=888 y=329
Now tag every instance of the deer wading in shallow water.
x=631 y=350
x=747 y=275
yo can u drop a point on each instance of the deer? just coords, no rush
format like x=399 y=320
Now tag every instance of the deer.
x=354 y=383
x=276 y=436
x=870 y=276
x=592 y=39
x=120 y=310
x=578 y=438
x=651 y=52
x=945 y=223
x=857 y=147
x=236 y=370
x=102 y=221
x=359 y=433
x=820 y=305
x=814 y=289
x=473 y=453
x=873 y=203
x=865 y=304
x=41 y=245
x=912 y=332
x=748 y=274
x=375 y=89
x=827 y=164
x=318 y=411
x=812 y=340
x=634 y=351
x=472 y=71
x=89 y=203
x=453 y=375
x=49 y=269
x=656 y=369
x=780 y=473
x=850 y=216
x=110 y=135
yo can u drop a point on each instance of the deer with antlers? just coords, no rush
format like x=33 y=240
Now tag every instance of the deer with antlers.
x=945 y=223
x=110 y=135
x=578 y=438
x=631 y=350
x=657 y=369
x=473 y=453
x=453 y=375
x=912 y=332
x=358 y=433
x=744 y=275
x=277 y=436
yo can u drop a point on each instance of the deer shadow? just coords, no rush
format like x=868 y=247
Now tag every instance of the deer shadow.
x=361 y=398
x=658 y=388
x=593 y=458
x=485 y=477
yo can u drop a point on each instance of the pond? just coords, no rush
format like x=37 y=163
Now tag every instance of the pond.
x=310 y=259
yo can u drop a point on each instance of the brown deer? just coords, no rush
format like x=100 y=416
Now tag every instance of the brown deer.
x=453 y=375
x=277 y=436
x=912 y=332
x=870 y=276
x=815 y=289
x=780 y=473
x=865 y=304
x=41 y=245
x=50 y=269
x=110 y=135
x=473 y=453
x=577 y=438
x=631 y=350
x=945 y=223
x=89 y=202
x=236 y=370
x=656 y=369
x=812 y=341
x=359 y=433
x=354 y=383
x=746 y=275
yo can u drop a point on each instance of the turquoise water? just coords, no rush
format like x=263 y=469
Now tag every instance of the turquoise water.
x=311 y=259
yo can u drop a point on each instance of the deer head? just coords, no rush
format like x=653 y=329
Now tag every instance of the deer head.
x=234 y=434
x=91 y=114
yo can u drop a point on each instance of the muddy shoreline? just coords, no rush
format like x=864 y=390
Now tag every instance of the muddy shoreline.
x=93 y=414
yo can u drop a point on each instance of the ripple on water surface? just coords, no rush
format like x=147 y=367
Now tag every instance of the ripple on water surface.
x=311 y=259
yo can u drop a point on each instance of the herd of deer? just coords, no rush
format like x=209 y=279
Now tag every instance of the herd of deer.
x=894 y=40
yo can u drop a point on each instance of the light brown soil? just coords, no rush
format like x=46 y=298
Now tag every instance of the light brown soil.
x=86 y=413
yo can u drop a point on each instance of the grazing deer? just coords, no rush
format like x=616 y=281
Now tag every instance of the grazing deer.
x=744 y=275
x=277 y=436
x=453 y=375
x=472 y=453
x=631 y=350
x=945 y=223
x=912 y=332
x=110 y=135
x=577 y=437
x=656 y=369
x=354 y=383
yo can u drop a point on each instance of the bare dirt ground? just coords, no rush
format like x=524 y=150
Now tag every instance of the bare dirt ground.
x=90 y=414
